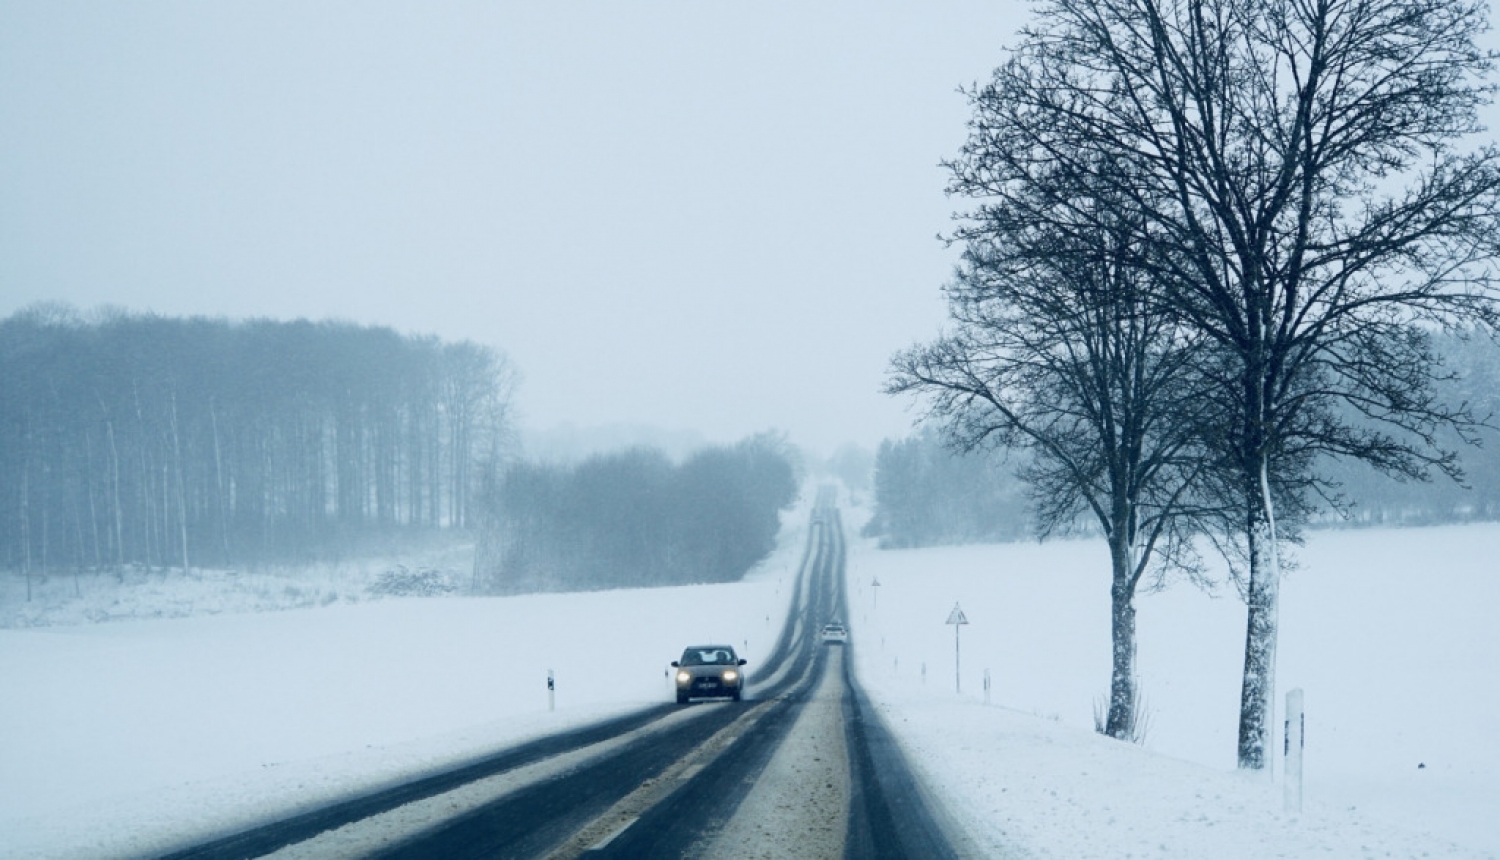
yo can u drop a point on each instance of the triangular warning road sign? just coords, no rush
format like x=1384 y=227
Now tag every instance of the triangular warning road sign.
x=957 y=616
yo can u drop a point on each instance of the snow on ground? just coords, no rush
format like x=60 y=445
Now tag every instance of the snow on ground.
x=120 y=738
x=124 y=738
x=141 y=593
x=1389 y=633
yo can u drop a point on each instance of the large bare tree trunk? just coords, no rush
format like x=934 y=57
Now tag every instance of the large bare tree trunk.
x=1121 y=721
x=1262 y=598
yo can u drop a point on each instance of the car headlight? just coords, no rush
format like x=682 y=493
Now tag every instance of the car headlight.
x=684 y=677
x=730 y=674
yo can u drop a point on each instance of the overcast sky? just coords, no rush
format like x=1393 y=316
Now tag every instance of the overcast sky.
x=708 y=216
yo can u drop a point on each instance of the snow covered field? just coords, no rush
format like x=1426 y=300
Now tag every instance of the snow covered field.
x=1390 y=633
x=119 y=738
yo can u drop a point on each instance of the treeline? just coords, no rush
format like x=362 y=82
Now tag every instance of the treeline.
x=134 y=439
x=1364 y=497
x=926 y=495
x=635 y=518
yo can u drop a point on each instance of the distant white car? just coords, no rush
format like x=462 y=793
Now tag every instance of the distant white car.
x=835 y=633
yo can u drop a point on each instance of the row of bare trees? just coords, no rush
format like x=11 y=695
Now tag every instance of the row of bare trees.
x=1213 y=242
x=142 y=440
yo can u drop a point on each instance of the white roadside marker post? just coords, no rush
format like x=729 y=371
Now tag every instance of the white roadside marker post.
x=1292 y=735
x=957 y=619
x=986 y=686
x=551 y=691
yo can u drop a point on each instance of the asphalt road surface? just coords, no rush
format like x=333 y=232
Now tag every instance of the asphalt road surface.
x=801 y=769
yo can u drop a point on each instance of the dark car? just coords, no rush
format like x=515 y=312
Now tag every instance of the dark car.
x=709 y=671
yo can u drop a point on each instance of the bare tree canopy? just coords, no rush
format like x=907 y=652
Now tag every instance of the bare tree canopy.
x=1060 y=348
x=1302 y=168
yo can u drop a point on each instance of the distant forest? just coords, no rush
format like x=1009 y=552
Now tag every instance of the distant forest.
x=1363 y=496
x=133 y=439
x=635 y=518
x=926 y=495
x=929 y=495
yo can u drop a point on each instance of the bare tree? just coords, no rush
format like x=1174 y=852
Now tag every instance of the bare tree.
x=1300 y=161
x=1060 y=349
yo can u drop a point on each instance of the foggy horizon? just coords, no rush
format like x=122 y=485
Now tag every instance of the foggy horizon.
x=706 y=220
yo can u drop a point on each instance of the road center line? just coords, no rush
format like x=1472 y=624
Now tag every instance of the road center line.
x=380 y=831
x=652 y=791
x=597 y=846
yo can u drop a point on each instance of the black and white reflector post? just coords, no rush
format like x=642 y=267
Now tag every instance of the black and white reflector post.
x=1291 y=775
x=551 y=691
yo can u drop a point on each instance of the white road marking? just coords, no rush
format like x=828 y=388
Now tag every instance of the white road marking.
x=394 y=826
x=598 y=846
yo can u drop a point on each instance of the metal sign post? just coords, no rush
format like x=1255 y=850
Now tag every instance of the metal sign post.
x=957 y=619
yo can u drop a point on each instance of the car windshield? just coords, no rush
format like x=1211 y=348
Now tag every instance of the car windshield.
x=707 y=657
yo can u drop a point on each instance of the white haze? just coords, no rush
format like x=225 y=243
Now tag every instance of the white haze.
x=709 y=217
